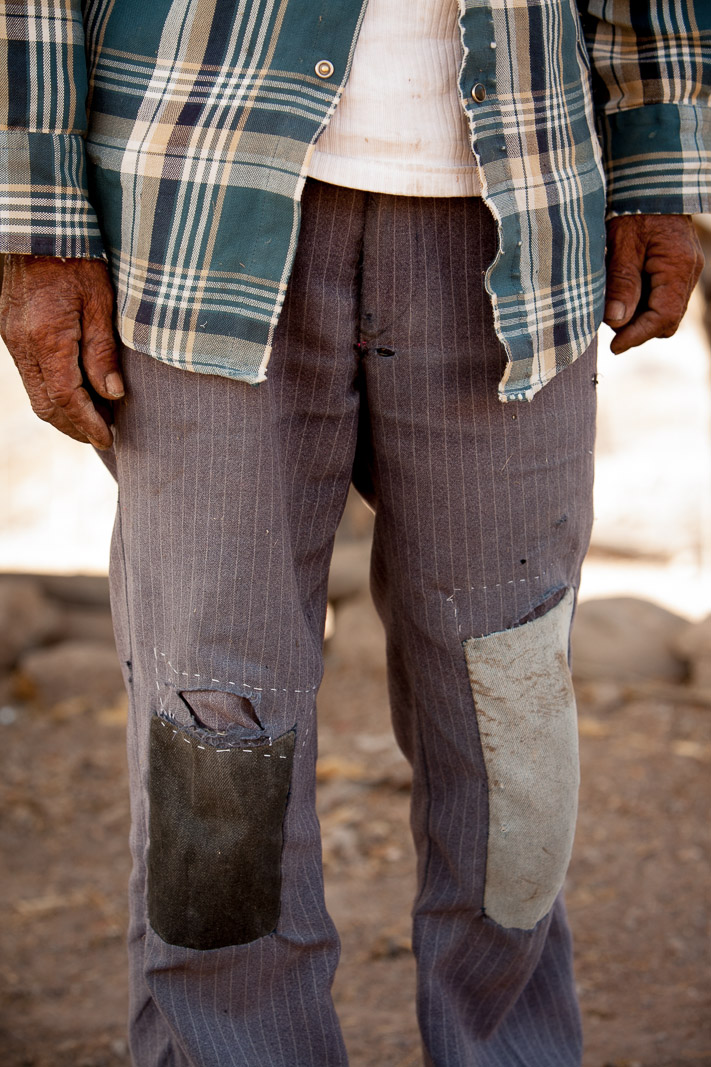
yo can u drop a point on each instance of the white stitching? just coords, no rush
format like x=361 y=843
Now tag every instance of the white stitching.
x=204 y=748
x=534 y=578
x=217 y=681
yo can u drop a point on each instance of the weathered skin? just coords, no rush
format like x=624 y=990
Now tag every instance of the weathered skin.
x=653 y=264
x=56 y=316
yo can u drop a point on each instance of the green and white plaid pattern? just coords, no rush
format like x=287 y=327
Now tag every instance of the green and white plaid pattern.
x=174 y=137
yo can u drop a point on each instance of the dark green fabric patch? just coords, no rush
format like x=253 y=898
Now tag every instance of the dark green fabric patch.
x=216 y=815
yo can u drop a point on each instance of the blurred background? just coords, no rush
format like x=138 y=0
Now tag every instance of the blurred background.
x=638 y=885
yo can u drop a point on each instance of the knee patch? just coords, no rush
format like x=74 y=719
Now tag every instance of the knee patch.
x=525 y=707
x=217 y=808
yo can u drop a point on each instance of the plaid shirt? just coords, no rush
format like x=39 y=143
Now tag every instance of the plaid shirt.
x=174 y=137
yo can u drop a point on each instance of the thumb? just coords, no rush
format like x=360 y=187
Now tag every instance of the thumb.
x=623 y=292
x=625 y=264
x=99 y=353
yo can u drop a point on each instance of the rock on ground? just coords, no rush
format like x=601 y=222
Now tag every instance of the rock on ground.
x=71 y=670
x=27 y=618
x=624 y=639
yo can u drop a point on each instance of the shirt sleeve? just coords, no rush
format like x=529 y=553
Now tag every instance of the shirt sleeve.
x=44 y=203
x=651 y=79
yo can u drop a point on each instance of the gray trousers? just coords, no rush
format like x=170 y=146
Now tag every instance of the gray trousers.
x=384 y=371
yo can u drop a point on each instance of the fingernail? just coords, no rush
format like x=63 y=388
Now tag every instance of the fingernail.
x=114 y=384
x=615 y=311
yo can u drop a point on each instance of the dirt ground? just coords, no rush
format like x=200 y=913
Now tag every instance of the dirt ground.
x=637 y=887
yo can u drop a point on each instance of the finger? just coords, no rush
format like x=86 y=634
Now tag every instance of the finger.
x=666 y=306
x=42 y=405
x=63 y=386
x=76 y=405
x=60 y=422
x=644 y=328
x=99 y=353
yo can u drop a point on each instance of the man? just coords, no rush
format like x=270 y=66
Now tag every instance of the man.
x=448 y=255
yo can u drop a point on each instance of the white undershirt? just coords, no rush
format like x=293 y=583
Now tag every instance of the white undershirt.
x=400 y=127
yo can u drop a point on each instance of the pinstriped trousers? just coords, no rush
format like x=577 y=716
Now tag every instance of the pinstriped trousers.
x=384 y=371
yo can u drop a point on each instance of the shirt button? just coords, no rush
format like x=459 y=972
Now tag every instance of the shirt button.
x=479 y=93
x=324 y=68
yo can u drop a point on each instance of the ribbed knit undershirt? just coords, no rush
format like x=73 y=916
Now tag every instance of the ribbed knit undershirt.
x=400 y=127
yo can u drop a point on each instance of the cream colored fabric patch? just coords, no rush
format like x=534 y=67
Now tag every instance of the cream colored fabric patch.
x=525 y=709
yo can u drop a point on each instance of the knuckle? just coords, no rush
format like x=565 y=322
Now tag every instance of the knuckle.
x=42 y=407
x=667 y=322
x=60 y=396
x=621 y=276
x=101 y=350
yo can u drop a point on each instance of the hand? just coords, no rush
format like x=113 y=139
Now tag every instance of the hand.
x=653 y=263
x=56 y=318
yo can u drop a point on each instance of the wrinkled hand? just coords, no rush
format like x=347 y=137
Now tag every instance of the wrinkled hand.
x=56 y=318
x=653 y=263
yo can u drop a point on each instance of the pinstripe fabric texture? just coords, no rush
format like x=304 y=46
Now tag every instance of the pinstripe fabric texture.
x=385 y=370
x=201 y=119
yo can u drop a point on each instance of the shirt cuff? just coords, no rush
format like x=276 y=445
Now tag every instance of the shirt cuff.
x=657 y=160
x=44 y=204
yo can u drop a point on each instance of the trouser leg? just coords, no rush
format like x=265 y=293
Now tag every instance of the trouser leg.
x=229 y=500
x=483 y=514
